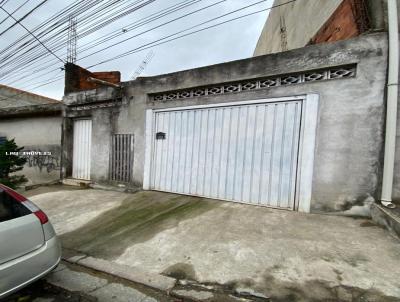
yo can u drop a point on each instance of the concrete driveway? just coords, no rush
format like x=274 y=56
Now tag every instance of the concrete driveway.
x=286 y=255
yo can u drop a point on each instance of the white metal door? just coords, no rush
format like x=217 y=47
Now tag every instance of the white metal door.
x=244 y=153
x=81 y=149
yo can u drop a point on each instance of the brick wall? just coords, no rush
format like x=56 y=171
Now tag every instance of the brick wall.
x=349 y=20
x=76 y=78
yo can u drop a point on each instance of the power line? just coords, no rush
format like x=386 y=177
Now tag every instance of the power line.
x=17 y=46
x=141 y=22
x=88 y=5
x=171 y=37
x=14 y=49
x=3 y=2
x=87 y=8
x=108 y=19
x=112 y=17
x=149 y=45
x=146 y=46
x=18 y=21
x=155 y=27
x=14 y=11
x=160 y=41
x=99 y=24
x=90 y=26
x=22 y=18
x=167 y=11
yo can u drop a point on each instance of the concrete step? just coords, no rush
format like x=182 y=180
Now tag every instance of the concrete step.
x=76 y=182
x=388 y=218
x=126 y=188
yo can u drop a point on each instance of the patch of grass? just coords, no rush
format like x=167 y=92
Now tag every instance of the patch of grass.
x=181 y=271
x=140 y=217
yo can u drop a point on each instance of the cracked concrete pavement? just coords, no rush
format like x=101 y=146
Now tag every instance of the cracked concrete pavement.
x=280 y=254
x=94 y=286
x=98 y=287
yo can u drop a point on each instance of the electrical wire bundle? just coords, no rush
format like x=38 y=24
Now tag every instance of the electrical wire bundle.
x=38 y=53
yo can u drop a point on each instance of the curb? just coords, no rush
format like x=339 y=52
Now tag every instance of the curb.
x=183 y=290
x=386 y=218
x=130 y=273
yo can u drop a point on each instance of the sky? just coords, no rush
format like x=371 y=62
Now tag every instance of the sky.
x=232 y=41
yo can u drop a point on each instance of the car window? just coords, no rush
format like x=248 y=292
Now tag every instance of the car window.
x=10 y=208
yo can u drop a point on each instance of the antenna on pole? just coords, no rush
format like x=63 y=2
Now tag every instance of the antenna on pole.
x=72 y=40
x=150 y=55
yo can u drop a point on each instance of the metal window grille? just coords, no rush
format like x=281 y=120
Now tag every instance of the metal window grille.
x=121 y=161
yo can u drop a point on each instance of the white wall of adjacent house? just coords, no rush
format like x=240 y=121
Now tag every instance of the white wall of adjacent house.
x=41 y=134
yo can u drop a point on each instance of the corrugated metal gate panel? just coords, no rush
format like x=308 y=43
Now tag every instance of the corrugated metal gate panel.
x=121 y=157
x=245 y=153
x=81 y=149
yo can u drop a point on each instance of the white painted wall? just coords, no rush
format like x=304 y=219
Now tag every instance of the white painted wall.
x=37 y=133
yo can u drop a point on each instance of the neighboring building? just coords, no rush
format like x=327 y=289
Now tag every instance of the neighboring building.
x=34 y=122
x=307 y=22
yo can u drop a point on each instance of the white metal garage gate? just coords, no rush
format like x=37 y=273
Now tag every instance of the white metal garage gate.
x=244 y=153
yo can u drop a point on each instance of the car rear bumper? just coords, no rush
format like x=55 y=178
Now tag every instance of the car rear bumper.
x=26 y=269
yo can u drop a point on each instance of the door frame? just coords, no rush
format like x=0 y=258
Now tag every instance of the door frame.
x=307 y=142
x=90 y=143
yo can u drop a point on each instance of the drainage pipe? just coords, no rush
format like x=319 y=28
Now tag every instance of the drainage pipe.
x=391 y=105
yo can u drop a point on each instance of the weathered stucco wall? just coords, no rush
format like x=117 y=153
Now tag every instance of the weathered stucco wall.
x=103 y=127
x=302 y=19
x=348 y=155
x=37 y=134
x=319 y=21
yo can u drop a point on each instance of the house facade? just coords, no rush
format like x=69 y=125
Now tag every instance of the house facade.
x=299 y=130
x=34 y=122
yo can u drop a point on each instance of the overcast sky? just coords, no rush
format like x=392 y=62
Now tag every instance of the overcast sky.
x=231 y=41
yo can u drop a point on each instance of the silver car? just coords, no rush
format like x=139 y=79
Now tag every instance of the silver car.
x=29 y=247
